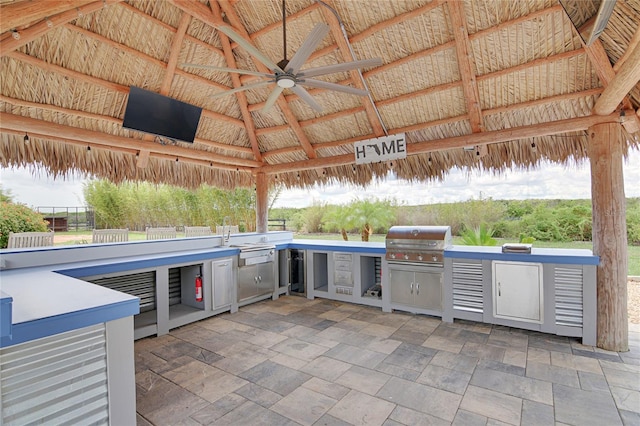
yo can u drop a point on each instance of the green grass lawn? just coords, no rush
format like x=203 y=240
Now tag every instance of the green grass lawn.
x=84 y=237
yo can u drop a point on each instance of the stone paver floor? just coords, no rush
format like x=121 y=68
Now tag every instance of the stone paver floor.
x=295 y=361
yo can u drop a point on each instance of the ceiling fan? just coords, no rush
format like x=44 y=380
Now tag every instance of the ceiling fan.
x=286 y=74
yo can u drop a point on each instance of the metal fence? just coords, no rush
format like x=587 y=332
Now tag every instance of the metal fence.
x=63 y=219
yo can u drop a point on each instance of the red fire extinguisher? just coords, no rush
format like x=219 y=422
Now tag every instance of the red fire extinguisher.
x=198 y=288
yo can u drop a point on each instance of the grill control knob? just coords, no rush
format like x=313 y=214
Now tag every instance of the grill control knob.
x=393 y=255
x=435 y=258
x=419 y=257
x=406 y=257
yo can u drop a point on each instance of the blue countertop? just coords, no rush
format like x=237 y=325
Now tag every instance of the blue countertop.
x=342 y=246
x=541 y=255
x=47 y=303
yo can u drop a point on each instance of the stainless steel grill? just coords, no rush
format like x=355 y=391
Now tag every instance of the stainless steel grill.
x=418 y=244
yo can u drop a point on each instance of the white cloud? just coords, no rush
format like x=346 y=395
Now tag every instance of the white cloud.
x=41 y=191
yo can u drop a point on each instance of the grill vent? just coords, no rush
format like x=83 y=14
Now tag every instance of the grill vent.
x=60 y=379
x=467 y=286
x=142 y=285
x=568 y=285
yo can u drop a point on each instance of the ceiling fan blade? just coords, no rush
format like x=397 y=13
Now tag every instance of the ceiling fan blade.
x=308 y=46
x=346 y=66
x=273 y=97
x=241 y=88
x=246 y=45
x=305 y=96
x=319 y=84
x=225 y=69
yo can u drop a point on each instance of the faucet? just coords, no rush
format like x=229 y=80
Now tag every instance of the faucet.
x=225 y=223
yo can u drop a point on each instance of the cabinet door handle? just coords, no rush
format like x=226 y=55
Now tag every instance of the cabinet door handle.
x=411 y=288
x=259 y=278
x=417 y=288
x=255 y=279
x=499 y=290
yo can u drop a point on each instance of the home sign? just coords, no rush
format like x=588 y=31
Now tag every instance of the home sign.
x=384 y=148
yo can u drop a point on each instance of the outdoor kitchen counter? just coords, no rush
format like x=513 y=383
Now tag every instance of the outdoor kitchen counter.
x=340 y=246
x=541 y=255
x=550 y=290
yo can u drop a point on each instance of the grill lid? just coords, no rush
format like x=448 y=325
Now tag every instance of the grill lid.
x=417 y=243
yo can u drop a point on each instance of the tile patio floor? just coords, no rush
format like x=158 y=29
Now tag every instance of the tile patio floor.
x=295 y=361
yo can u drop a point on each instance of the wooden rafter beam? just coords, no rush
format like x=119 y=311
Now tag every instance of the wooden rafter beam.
x=241 y=96
x=281 y=102
x=464 y=54
x=18 y=14
x=16 y=123
x=113 y=120
x=176 y=45
x=41 y=28
x=627 y=77
x=343 y=46
x=606 y=73
x=484 y=138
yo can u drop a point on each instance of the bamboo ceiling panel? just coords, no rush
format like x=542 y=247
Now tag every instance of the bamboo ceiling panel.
x=452 y=74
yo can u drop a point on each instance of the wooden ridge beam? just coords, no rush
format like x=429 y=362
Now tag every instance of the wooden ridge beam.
x=16 y=123
x=484 y=138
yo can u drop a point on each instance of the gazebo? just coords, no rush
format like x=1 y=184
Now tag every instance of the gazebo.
x=481 y=84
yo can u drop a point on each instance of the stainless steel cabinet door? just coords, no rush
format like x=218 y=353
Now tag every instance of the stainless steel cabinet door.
x=247 y=282
x=265 y=278
x=222 y=282
x=402 y=286
x=517 y=291
x=428 y=291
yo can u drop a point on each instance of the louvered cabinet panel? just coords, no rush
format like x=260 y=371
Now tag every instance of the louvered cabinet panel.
x=467 y=286
x=569 y=297
x=61 y=379
x=142 y=285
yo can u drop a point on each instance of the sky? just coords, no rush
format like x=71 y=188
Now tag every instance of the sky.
x=549 y=181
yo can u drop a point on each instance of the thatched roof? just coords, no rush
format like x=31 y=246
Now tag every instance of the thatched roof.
x=496 y=77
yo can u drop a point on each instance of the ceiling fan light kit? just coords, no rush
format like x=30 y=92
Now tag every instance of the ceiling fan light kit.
x=286 y=74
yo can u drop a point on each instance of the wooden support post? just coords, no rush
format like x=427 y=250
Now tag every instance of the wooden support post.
x=609 y=235
x=262 y=203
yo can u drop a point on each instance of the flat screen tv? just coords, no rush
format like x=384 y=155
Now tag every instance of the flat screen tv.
x=160 y=115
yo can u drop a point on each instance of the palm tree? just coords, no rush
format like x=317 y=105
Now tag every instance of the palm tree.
x=370 y=216
x=340 y=217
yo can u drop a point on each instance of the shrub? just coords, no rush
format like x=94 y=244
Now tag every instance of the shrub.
x=18 y=218
x=479 y=236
